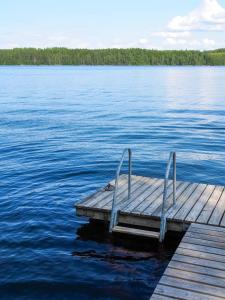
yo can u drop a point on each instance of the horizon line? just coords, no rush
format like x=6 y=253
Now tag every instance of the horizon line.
x=99 y=49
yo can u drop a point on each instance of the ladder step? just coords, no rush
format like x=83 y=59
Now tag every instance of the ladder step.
x=134 y=231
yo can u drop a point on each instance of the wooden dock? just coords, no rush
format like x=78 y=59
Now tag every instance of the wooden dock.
x=197 y=269
x=195 y=203
x=149 y=207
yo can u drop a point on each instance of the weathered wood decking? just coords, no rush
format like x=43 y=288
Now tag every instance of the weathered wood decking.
x=196 y=203
x=197 y=269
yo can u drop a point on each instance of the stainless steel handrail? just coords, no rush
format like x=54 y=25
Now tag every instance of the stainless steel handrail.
x=172 y=157
x=114 y=211
x=174 y=177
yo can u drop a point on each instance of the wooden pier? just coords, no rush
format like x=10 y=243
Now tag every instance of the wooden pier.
x=195 y=203
x=149 y=207
x=197 y=269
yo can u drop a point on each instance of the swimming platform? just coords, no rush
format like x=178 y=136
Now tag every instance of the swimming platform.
x=150 y=207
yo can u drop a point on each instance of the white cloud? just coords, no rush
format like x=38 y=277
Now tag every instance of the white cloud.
x=209 y=16
x=192 y=43
x=208 y=42
x=197 y=29
x=143 y=41
x=173 y=41
x=172 y=34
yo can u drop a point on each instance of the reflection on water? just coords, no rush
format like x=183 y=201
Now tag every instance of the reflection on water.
x=125 y=247
x=62 y=132
x=126 y=257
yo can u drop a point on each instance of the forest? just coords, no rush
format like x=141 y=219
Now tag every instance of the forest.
x=129 y=57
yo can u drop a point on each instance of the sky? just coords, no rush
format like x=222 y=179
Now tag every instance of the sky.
x=150 y=24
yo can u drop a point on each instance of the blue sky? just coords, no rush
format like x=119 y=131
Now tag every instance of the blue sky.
x=161 y=24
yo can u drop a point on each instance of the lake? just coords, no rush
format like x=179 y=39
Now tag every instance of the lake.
x=62 y=133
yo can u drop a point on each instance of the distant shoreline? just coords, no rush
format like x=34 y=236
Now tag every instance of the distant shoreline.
x=163 y=66
x=110 y=57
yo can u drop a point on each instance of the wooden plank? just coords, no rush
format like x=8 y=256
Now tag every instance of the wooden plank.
x=128 y=219
x=123 y=196
x=218 y=211
x=137 y=196
x=146 y=194
x=160 y=297
x=208 y=227
x=207 y=243
x=169 y=202
x=122 y=185
x=158 y=201
x=205 y=236
x=201 y=262
x=208 y=209
x=196 y=277
x=207 y=232
x=197 y=208
x=189 y=244
x=202 y=288
x=180 y=293
x=122 y=192
x=186 y=208
x=183 y=198
x=138 y=232
x=94 y=198
x=157 y=205
x=200 y=254
x=137 y=192
x=140 y=209
x=180 y=265
x=222 y=223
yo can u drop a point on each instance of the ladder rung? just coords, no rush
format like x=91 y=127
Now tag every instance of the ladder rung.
x=138 y=232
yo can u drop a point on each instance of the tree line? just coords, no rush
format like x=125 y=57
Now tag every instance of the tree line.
x=133 y=56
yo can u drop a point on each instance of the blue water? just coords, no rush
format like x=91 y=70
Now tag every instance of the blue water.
x=62 y=131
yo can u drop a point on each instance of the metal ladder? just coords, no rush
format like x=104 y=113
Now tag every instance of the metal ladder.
x=115 y=209
x=160 y=235
x=163 y=221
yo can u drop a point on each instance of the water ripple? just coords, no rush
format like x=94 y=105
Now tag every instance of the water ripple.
x=62 y=133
